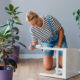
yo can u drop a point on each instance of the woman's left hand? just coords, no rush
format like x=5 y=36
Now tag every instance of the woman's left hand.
x=57 y=46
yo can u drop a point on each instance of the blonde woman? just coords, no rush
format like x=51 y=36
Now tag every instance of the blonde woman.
x=48 y=31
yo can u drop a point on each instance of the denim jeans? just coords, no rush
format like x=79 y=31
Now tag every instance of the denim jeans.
x=52 y=44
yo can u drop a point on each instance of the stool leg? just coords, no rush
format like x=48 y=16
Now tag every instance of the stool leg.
x=57 y=61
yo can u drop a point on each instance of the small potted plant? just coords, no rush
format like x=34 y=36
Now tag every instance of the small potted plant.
x=10 y=26
x=77 y=16
x=7 y=65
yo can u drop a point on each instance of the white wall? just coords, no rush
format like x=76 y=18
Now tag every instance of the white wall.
x=61 y=9
x=3 y=15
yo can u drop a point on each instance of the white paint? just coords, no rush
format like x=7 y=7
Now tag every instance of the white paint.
x=57 y=61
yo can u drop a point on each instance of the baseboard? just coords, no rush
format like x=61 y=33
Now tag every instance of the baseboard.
x=32 y=56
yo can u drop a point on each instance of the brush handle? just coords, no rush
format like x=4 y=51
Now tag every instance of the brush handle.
x=36 y=46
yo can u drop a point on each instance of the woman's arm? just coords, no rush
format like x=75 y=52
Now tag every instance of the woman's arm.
x=32 y=45
x=35 y=43
x=61 y=35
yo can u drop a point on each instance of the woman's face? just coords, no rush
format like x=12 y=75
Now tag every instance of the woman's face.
x=36 y=22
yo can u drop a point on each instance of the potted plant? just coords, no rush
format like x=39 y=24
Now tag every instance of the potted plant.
x=77 y=16
x=10 y=26
x=7 y=65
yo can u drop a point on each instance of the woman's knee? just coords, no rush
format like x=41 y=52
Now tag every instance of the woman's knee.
x=48 y=67
x=48 y=62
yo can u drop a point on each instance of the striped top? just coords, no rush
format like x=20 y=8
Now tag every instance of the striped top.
x=44 y=33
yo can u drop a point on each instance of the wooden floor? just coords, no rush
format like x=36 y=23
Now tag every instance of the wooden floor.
x=31 y=68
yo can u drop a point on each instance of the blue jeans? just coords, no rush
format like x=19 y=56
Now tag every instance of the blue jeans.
x=52 y=44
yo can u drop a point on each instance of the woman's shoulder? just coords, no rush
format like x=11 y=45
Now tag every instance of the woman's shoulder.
x=50 y=17
x=33 y=29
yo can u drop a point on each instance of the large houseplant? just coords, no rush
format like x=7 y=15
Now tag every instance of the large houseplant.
x=10 y=26
x=7 y=65
x=8 y=39
x=77 y=16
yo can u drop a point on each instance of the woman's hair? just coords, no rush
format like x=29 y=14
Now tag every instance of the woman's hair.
x=31 y=15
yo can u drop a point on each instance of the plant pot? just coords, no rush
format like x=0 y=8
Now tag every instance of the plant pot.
x=7 y=73
x=15 y=54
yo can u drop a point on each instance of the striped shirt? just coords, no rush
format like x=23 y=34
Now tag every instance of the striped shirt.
x=44 y=33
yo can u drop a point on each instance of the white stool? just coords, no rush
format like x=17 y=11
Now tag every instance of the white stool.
x=70 y=62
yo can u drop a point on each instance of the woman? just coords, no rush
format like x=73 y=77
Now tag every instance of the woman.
x=50 y=33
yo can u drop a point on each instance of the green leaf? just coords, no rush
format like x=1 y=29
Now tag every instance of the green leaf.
x=16 y=37
x=18 y=23
x=73 y=13
x=17 y=13
x=78 y=11
x=8 y=31
x=8 y=34
x=1 y=54
x=11 y=7
x=16 y=8
x=77 y=18
x=5 y=29
x=9 y=12
x=10 y=22
x=15 y=29
x=4 y=25
x=1 y=34
x=17 y=19
x=6 y=8
x=22 y=44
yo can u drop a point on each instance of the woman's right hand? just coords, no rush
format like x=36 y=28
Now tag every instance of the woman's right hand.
x=31 y=47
